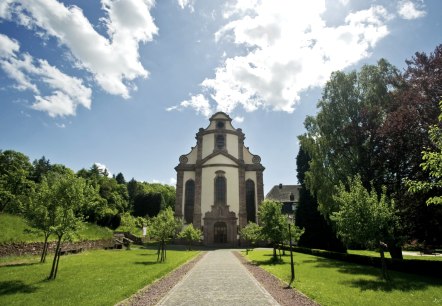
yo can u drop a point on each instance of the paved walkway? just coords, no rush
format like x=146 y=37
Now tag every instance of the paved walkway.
x=218 y=279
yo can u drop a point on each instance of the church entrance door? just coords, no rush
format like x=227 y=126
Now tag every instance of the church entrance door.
x=220 y=232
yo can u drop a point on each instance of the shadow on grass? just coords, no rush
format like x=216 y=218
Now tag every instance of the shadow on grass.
x=271 y=261
x=399 y=281
x=15 y=286
x=18 y=264
x=146 y=263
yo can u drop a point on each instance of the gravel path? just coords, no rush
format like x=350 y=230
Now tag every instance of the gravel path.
x=242 y=288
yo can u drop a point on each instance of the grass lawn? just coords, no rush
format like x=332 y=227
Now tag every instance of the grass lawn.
x=387 y=255
x=333 y=282
x=90 y=278
x=15 y=229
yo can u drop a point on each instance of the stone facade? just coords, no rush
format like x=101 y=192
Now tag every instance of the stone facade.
x=219 y=183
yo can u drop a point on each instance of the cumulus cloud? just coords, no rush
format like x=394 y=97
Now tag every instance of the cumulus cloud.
x=289 y=48
x=409 y=10
x=114 y=60
x=67 y=92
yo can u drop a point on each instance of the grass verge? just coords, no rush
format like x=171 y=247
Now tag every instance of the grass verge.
x=333 y=282
x=14 y=228
x=90 y=278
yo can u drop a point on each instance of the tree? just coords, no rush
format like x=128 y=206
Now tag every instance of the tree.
x=364 y=217
x=41 y=167
x=120 y=178
x=318 y=233
x=15 y=185
x=164 y=227
x=250 y=233
x=432 y=163
x=403 y=136
x=343 y=139
x=191 y=234
x=64 y=196
x=273 y=223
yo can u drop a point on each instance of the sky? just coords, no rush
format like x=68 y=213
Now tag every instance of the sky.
x=126 y=84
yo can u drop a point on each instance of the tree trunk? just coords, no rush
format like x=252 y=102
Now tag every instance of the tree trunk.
x=275 y=257
x=158 y=252
x=45 y=249
x=395 y=251
x=54 y=262
x=385 y=275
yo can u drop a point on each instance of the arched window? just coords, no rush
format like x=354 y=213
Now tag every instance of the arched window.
x=189 y=201
x=220 y=189
x=250 y=201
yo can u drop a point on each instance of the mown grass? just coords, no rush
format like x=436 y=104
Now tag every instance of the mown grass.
x=90 y=278
x=387 y=255
x=14 y=228
x=333 y=282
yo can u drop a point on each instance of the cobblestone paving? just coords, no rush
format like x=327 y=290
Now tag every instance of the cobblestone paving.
x=218 y=279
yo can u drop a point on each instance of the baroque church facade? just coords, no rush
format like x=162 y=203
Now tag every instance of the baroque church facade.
x=219 y=182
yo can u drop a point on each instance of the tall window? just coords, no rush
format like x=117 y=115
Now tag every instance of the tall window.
x=189 y=201
x=250 y=201
x=220 y=142
x=220 y=189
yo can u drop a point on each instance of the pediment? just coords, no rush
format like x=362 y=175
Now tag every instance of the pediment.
x=220 y=158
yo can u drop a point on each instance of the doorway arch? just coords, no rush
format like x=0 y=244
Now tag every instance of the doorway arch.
x=220 y=232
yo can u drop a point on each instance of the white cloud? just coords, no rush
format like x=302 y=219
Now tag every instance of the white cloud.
x=187 y=3
x=103 y=167
x=199 y=103
x=238 y=119
x=409 y=10
x=289 y=49
x=114 y=62
x=67 y=92
x=172 y=181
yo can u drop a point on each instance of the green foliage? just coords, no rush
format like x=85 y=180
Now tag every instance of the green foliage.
x=334 y=282
x=364 y=217
x=251 y=233
x=274 y=225
x=432 y=163
x=318 y=232
x=15 y=185
x=191 y=234
x=91 y=278
x=163 y=227
x=131 y=224
x=341 y=138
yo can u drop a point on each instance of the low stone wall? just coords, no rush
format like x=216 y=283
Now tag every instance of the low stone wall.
x=35 y=248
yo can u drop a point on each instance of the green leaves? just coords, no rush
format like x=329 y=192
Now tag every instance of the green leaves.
x=363 y=216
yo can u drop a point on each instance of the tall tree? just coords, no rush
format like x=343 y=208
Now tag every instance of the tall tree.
x=318 y=233
x=343 y=139
x=40 y=168
x=120 y=178
x=15 y=185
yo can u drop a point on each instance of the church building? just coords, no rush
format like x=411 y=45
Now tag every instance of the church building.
x=219 y=182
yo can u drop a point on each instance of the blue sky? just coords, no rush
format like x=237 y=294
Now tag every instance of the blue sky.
x=128 y=83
